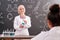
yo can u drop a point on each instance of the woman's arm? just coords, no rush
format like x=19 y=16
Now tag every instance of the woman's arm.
x=27 y=23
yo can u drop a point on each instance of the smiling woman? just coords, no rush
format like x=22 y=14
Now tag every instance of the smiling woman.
x=22 y=22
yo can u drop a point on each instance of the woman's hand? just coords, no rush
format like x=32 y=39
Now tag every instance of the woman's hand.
x=25 y=21
x=21 y=26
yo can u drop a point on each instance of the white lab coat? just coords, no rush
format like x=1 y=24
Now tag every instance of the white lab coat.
x=53 y=34
x=18 y=21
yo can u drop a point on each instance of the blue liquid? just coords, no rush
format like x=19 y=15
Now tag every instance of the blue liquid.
x=11 y=34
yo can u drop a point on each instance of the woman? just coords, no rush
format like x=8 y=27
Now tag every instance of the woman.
x=53 y=19
x=22 y=22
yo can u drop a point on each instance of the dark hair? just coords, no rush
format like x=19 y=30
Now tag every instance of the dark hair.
x=54 y=15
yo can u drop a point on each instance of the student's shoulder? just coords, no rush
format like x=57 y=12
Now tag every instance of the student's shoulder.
x=40 y=36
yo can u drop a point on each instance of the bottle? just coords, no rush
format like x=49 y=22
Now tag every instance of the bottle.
x=23 y=23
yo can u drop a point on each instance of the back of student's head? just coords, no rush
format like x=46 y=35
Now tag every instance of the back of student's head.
x=54 y=15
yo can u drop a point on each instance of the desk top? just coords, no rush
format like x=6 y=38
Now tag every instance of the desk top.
x=18 y=37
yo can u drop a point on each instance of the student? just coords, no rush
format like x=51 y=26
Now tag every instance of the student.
x=22 y=22
x=53 y=19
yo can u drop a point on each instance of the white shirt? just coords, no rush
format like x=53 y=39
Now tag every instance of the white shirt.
x=18 y=21
x=53 y=34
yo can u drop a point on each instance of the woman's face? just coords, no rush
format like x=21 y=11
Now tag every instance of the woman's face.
x=21 y=9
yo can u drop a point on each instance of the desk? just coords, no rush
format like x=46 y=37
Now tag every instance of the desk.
x=16 y=37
